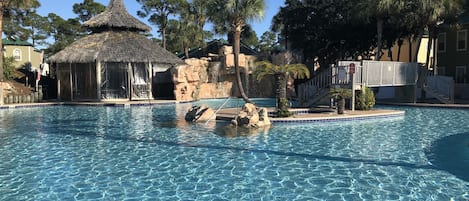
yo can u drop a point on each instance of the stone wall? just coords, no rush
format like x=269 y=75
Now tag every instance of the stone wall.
x=215 y=78
x=191 y=82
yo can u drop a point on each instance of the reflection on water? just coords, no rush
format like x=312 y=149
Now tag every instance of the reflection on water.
x=451 y=154
x=230 y=131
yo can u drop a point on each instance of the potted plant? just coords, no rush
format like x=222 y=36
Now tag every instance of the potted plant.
x=339 y=95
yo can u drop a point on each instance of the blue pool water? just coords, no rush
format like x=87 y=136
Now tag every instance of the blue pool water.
x=151 y=153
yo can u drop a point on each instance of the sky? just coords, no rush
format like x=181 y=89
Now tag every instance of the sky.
x=64 y=8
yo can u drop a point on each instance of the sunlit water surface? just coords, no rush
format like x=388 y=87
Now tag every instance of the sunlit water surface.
x=151 y=153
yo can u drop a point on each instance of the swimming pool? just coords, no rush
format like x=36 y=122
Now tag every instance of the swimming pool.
x=150 y=152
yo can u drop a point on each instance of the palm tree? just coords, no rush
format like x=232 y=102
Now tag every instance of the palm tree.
x=4 y=6
x=234 y=14
x=281 y=73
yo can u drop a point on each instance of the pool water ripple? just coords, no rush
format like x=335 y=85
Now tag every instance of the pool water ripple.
x=148 y=153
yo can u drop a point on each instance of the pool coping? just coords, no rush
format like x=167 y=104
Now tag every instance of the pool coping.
x=304 y=116
x=99 y=104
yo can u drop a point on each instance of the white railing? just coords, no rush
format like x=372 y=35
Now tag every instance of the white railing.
x=442 y=85
x=312 y=87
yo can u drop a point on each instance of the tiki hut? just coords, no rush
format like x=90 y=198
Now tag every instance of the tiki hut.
x=115 y=62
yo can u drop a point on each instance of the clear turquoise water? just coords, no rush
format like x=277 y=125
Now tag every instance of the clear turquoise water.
x=151 y=153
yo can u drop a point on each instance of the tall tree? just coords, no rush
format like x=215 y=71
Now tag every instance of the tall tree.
x=268 y=42
x=87 y=9
x=64 y=32
x=158 y=12
x=6 y=5
x=317 y=29
x=235 y=14
x=380 y=11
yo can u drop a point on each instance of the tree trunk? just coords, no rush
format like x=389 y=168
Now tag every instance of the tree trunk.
x=281 y=80
x=186 y=52
x=236 y=44
x=340 y=105
x=163 y=38
x=379 y=31
x=399 y=45
x=410 y=49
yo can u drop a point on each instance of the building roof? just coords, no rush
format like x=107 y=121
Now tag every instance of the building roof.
x=15 y=42
x=214 y=47
x=116 y=16
x=122 y=46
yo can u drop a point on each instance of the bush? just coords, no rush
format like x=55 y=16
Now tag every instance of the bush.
x=8 y=68
x=365 y=99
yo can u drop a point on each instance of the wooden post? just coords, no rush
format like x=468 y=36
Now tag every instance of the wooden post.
x=353 y=92
x=98 y=80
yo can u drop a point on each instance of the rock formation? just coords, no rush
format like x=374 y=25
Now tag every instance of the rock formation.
x=200 y=114
x=191 y=82
x=251 y=116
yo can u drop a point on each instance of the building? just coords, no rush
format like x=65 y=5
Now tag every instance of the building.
x=453 y=55
x=24 y=54
x=115 y=62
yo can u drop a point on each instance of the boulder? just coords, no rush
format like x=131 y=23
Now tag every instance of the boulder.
x=251 y=116
x=200 y=114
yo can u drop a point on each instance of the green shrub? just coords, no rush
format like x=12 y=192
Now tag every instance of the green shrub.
x=365 y=99
x=8 y=68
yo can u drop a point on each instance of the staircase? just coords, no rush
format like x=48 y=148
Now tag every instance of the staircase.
x=440 y=87
x=315 y=89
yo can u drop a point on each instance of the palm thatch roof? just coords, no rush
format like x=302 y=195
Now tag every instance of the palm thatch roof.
x=110 y=46
x=116 y=16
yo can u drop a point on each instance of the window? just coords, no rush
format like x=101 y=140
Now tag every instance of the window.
x=460 y=74
x=17 y=54
x=442 y=42
x=461 y=40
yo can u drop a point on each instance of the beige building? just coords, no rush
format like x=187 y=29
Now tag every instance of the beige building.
x=23 y=52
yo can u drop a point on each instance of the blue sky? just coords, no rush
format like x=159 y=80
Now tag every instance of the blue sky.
x=64 y=8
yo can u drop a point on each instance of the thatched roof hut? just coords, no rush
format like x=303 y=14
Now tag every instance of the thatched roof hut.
x=113 y=59
x=113 y=46
x=116 y=16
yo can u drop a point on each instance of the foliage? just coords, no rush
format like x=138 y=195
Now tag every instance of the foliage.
x=87 y=9
x=234 y=14
x=188 y=31
x=64 y=32
x=159 y=12
x=282 y=111
x=248 y=37
x=339 y=93
x=282 y=73
x=5 y=7
x=297 y=71
x=318 y=27
x=268 y=42
x=365 y=99
x=8 y=68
